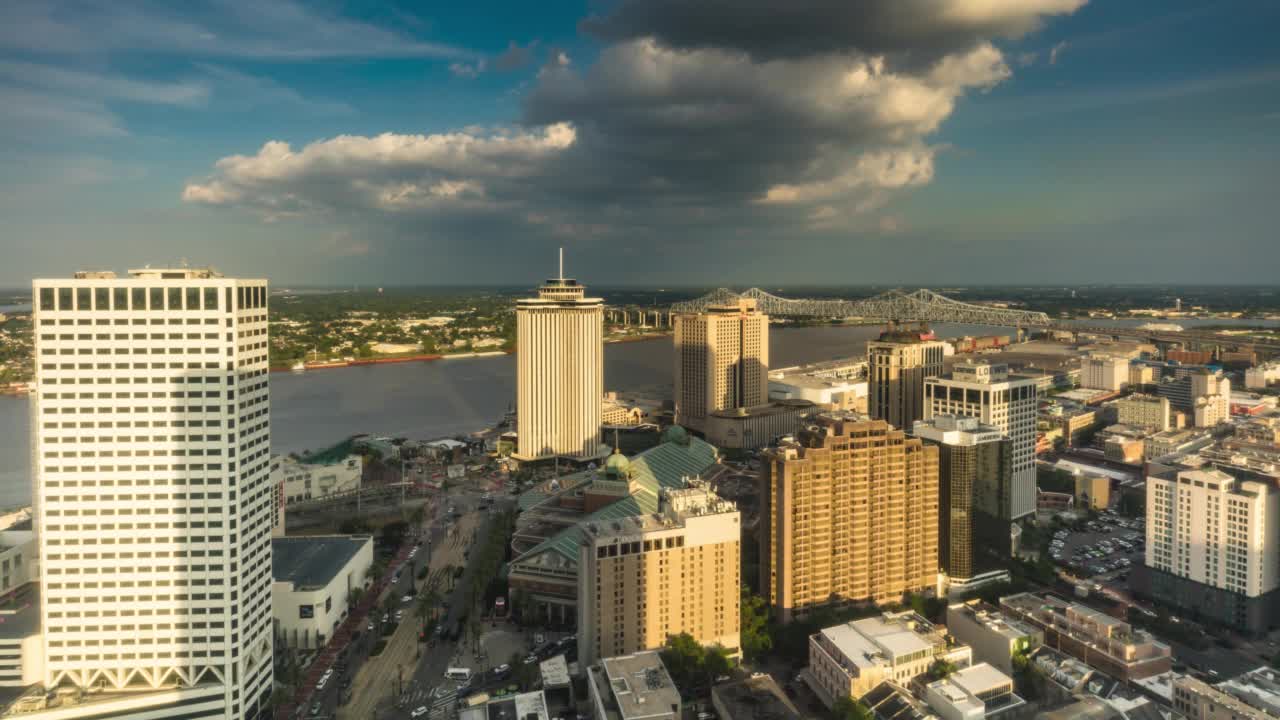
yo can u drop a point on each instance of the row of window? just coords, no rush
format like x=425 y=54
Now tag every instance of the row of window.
x=150 y=299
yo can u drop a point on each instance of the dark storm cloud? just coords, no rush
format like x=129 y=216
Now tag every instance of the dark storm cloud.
x=804 y=28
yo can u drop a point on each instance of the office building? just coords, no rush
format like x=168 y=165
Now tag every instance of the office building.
x=152 y=498
x=1099 y=640
x=313 y=577
x=974 y=471
x=751 y=428
x=507 y=706
x=1177 y=441
x=1213 y=545
x=1211 y=410
x=1149 y=412
x=848 y=514
x=633 y=687
x=1104 y=372
x=559 y=372
x=303 y=481
x=644 y=578
x=994 y=638
x=897 y=366
x=721 y=361
x=988 y=392
x=849 y=660
x=1141 y=375
x=834 y=384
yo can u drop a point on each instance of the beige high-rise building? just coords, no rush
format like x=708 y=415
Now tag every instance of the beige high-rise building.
x=721 y=361
x=849 y=513
x=559 y=372
x=646 y=577
x=897 y=365
x=1104 y=372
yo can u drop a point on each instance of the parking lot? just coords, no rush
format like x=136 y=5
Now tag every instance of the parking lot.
x=1105 y=550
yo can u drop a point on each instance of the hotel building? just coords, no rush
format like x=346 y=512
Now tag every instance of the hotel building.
x=646 y=577
x=721 y=362
x=152 y=497
x=559 y=372
x=1212 y=546
x=988 y=392
x=849 y=513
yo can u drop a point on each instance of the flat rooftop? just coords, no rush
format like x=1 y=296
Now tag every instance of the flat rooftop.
x=757 y=698
x=640 y=685
x=311 y=562
x=977 y=679
x=20 y=613
x=863 y=641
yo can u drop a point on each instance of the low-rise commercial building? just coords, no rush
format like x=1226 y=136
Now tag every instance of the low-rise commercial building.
x=1149 y=412
x=849 y=660
x=751 y=428
x=313 y=582
x=1177 y=441
x=1113 y=646
x=1198 y=700
x=1258 y=378
x=994 y=638
x=633 y=687
x=1093 y=491
x=311 y=481
x=521 y=706
x=973 y=693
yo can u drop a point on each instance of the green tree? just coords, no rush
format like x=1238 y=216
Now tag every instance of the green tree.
x=941 y=669
x=846 y=708
x=756 y=640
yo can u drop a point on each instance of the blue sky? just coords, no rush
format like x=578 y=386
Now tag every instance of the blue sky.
x=701 y=142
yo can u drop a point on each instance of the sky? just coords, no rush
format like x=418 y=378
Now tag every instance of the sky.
x=660 y=142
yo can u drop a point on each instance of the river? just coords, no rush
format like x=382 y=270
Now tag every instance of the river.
x=314 y=409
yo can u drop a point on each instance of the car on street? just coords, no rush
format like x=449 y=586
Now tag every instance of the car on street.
x=386 y=617
x=407 y=599
x=530 y=659
x=419 y=711
x=370 y=626
x=539 y=638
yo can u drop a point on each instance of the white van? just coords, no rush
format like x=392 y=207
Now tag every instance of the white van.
x=458 y=674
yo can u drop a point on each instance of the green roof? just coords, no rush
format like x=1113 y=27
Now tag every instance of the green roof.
x=663 y=466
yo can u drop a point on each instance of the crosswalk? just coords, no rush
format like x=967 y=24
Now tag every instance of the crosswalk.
x=441 y=706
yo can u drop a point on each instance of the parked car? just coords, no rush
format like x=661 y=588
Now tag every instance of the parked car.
x=419 y=711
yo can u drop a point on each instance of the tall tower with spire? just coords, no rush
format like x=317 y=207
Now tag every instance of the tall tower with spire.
x=559 y=371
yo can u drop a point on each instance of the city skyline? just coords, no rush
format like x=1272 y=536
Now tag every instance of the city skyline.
x=1058 y=141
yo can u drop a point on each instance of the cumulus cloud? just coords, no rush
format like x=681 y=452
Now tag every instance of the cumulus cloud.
x=715 y=114
x=388 y=172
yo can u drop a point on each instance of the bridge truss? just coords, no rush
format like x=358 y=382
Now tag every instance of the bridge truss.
x=920 y=305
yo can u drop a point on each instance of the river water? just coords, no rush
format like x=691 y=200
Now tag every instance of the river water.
x=428 y=400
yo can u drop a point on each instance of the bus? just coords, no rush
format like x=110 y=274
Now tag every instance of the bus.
x=458 y=674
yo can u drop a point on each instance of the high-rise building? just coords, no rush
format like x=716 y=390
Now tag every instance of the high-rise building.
x=1104 y=372
x=987 y=391
x=645 y=577
x=849 y=513
x=1145 y=411
x=974 y=474
x=559 y=372
x=1213 y=544
x=721 y=361
x=152 y=498
x=897 y=366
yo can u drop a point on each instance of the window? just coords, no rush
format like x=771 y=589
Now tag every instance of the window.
x=210 y=298
x=121 y=298
x=157 y=298
x=102 y=299
x=46 y=299
x=175 y=298
x=82 y=298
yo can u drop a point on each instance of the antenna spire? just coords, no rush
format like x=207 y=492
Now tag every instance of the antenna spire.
x=561 y=263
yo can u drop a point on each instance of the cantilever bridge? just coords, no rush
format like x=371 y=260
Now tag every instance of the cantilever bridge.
x=923 y=305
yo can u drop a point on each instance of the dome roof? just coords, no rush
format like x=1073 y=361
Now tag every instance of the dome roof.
x=676 y=434
x=617 y=464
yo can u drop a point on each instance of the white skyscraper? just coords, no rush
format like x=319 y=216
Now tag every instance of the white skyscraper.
x=985 y=391
x=559 y=371
x=152 y=495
